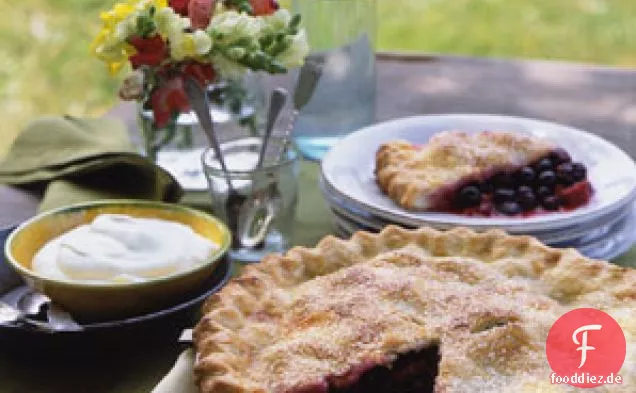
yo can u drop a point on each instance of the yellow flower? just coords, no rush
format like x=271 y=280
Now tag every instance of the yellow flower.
x=182 y=46
x=110 y=45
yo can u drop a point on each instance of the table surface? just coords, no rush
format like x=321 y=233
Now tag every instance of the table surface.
x=601 y=100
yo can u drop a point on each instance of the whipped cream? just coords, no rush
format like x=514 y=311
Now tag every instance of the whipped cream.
x=120 y=248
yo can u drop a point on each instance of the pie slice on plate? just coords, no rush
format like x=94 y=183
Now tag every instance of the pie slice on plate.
x=405 y=311
x=486 y=173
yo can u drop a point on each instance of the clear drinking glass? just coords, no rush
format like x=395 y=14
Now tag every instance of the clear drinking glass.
x=258 y=205
x=341 y=34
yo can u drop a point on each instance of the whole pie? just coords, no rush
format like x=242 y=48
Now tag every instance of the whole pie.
x=405 y=311
x=486 y=173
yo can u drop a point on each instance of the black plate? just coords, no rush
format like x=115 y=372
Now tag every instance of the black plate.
x=159 y=326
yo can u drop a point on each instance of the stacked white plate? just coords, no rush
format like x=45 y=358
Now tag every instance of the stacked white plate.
x=604 y=228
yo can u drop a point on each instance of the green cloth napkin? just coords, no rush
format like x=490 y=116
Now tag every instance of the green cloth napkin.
x=79 y=160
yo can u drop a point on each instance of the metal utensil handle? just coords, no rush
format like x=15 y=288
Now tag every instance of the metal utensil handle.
x=201 y=106
x=308 y=79
x=277 y=102
x=281 y=147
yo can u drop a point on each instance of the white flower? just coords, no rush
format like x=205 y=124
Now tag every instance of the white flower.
x=294 y=55
x=277 y=21
x=170 y=24
x=182 y=46
x=228 y=69
x=202 y=42
x=235 y=25
x=189 y=45
x=126 y=28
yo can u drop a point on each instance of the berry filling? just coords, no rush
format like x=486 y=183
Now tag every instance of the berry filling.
x=553 y=183
x=412 y=372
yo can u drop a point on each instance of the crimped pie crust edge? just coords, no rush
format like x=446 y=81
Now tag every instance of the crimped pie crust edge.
x=224 y=312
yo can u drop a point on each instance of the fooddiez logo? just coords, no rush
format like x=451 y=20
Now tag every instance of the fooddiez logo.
x=586 y=348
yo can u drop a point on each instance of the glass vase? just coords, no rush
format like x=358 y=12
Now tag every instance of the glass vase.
x=237 y=111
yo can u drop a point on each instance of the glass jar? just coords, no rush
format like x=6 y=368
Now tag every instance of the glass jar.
x=257 y=204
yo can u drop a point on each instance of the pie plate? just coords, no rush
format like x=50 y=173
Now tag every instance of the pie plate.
x=356 y=214
x=161 y=326
x=348 y=170
x=606 y=242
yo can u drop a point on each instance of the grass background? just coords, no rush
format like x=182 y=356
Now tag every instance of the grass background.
x=45 y=67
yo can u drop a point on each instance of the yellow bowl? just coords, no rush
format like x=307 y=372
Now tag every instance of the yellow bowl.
x=103 y=301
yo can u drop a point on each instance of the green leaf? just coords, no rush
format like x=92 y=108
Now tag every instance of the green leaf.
x=277 y=68
x=145 y=25
x=294 y=23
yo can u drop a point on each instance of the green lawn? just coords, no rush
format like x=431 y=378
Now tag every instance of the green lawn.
x=45 y=66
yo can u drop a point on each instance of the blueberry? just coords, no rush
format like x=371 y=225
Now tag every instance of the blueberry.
x=524 y=190
x=544 y=191
x=509 y=208
x=547 y=178
x=526 y=175
x=486 y=187
x=527 y=200
x=469 y=196
x=503 y=180
x=565 y=174
x=504 y=195
x=545 y=165
x=550 y=203
x=565 y=168
x=559 y=156
x=579 y=172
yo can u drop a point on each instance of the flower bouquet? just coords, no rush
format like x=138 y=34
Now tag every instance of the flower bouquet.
x=167 y=42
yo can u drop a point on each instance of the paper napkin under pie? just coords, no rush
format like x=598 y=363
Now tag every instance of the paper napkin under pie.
x=180 y=379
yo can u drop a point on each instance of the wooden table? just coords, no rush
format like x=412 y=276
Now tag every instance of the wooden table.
x=598 y=99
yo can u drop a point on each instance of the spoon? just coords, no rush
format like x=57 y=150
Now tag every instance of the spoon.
x=256 y=224
x=201 y=106
x=308 y=79
x=277 y=102
x=23 y=302
x=11 y=315
x=31 y=302
x=258 y=217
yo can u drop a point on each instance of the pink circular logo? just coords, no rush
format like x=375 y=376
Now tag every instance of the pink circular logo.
x=586 y=348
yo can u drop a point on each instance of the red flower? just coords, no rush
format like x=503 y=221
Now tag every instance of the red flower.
x=202 y=73
x=169 y=99
x=200 y=13
x=179 y=6
x=150 y=51
x=264 y=7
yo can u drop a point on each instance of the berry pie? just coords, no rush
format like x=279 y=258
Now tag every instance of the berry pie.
x=405 y=311
x=483 y=174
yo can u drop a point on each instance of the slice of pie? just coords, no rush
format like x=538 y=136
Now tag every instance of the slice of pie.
x=486 y=173
x=405 y=311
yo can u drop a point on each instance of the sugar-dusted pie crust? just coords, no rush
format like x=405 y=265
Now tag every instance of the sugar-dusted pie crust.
x=421 y=177
x=318 y=317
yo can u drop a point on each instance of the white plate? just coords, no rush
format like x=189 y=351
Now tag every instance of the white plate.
x=356 y=214
x=348 y=170
x=605 y=243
